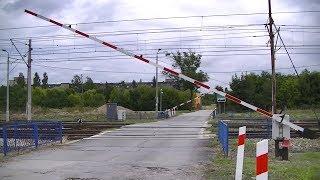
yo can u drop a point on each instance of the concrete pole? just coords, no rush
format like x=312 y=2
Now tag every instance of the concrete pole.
x=7 y=104
x=29 y=105
x=161 y=92
x=157 y=98
x=82 y=98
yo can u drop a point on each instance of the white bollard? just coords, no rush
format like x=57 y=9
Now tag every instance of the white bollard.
x=240 y=153
x=262 y=160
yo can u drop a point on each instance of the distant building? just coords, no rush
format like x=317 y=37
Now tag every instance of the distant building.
x=166 y=82
x=65 y=85
x=62 y=85
x=15 y=81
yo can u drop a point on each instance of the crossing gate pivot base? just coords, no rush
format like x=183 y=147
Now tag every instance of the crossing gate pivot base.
x=281 y=132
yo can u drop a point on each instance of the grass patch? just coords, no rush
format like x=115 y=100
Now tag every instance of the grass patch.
x=304 y=160
x=300 y=166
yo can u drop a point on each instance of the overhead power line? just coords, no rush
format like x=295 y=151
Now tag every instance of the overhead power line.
x=166 y=18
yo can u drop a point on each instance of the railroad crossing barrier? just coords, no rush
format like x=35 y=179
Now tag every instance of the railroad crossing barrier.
x=25 y=135
x=304 y=131
x=223 y=136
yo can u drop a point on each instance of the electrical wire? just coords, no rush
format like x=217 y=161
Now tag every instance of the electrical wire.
x=166 y=18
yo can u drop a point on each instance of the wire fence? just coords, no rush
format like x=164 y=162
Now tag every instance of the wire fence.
x=19 y=136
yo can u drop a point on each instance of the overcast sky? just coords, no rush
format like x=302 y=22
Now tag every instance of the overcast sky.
x=228 y=42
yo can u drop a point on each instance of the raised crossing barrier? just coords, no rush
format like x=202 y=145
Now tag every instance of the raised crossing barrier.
x=304 y=131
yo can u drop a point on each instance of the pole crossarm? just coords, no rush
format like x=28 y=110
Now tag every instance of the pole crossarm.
x=141 y=58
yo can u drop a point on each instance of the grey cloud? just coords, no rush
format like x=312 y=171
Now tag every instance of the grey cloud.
x=48 y=6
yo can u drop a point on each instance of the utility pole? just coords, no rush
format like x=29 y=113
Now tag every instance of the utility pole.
x=7 y=104
x=274 y=102
x=157 y=99
x=82 y=98
x=29 y=82
x=161 y=93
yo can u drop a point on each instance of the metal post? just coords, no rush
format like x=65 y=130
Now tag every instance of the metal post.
x=15 y=134
x=7 y=104
x=82 y=98
x=35 y=134
x=60 y=131
x=274 y=103
x=157 y=101
x=29 y=83
x=5 y=142
x=161 y=92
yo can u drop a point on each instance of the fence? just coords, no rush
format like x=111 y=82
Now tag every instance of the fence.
x=256 y=127
x=223 y=136
x=25 y=135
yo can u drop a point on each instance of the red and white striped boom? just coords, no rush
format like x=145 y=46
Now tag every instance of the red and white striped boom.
x=228 y=96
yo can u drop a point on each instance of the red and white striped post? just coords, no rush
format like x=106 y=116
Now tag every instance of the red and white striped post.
x=262 y=160
x=240 y=153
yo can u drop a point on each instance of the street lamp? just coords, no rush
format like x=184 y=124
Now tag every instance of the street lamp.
x=157 y=101
x=7 y=106
x=161 y=92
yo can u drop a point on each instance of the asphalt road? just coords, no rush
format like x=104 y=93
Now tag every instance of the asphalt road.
x=177 y=148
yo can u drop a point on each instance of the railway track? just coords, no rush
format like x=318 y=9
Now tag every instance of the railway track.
x=74 y=130
x=71 y=130
x=263 y=129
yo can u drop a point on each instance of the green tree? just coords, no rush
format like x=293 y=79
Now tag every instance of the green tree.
x=120 y=96
x=208 y=99
x=134 y=98
x=309 y=87
x=253 y=89
x=21 y=81
x=146 y=98
x=108 y=91
x=56 y=98
x=288 y=93
x=18 y=98
x=134 y=84
x=188 y=63
x=39 y=96
x=76 y=83
x=123 y=84
x=45 y=80
x=88 y=84
x=3 y=95
x=36 y=80
x=74 y=100
x=93 y=99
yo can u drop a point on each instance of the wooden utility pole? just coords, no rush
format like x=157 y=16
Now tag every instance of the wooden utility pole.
x=274 y=102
